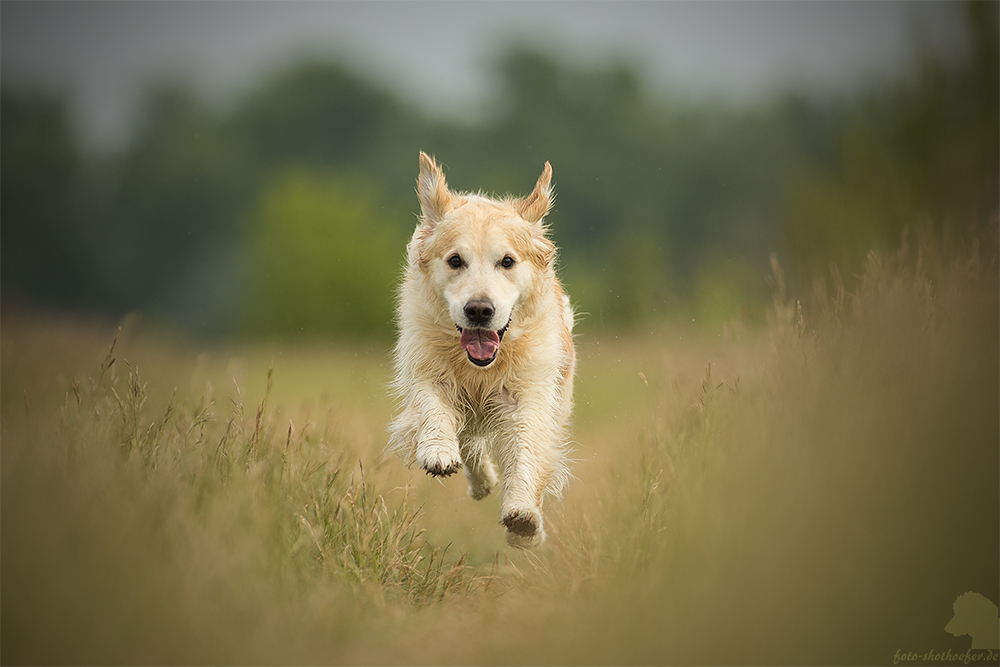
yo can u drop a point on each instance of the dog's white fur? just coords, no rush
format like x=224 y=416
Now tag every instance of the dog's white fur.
x=503 y=420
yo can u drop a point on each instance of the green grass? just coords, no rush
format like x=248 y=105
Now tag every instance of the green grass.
x=818 y=491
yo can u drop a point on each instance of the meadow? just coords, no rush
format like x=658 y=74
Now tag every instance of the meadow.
x=814 y=490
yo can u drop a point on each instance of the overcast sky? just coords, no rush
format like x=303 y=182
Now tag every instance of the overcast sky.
x=439 y=54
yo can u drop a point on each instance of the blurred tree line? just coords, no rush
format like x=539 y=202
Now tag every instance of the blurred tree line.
x=288 y=211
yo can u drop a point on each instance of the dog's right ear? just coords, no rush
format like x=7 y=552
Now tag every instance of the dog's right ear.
x=432 y=190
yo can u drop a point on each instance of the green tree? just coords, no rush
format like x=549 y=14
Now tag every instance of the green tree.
x=42 y=257
x=920 y=153
x=324 y=257
x=319 y=114
x=184 y=184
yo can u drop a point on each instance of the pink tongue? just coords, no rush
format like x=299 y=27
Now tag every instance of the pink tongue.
x=480 y=343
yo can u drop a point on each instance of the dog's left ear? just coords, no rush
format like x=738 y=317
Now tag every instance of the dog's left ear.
x=535 y=206
x=432 y=190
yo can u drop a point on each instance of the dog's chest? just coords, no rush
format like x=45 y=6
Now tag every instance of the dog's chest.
x=485 y=408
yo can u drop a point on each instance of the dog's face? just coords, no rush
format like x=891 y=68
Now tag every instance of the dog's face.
x=484 y=258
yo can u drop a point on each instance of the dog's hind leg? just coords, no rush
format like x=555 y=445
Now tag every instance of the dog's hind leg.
x=479 y=469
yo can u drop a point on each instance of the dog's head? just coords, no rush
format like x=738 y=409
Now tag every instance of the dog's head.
x=485 y=258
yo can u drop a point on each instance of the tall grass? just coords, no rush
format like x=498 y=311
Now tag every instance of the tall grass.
x=819 y=491
x=202 y=529
x=822 y=495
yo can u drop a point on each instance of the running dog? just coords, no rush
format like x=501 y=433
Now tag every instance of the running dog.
x=484 y=361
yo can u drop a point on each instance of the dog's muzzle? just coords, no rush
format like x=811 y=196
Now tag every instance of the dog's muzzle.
x=481 y=345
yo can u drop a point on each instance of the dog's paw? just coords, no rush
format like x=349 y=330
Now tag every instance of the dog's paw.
x=442 y=469
x=524 y=528
x=439 y=458
x=482 y=479
x=479 y=490
x=439 y=464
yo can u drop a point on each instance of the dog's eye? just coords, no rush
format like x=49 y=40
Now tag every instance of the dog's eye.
x=455 y=262
x=507 y=262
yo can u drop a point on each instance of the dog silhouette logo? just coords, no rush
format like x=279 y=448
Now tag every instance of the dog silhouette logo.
x=976 y=616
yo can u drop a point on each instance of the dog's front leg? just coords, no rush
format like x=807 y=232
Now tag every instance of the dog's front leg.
x=437 y=442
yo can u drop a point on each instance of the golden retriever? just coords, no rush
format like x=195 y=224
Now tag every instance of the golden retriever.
x=484 y=361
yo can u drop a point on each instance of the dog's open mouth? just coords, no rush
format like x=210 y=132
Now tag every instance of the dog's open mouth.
x=482 y=345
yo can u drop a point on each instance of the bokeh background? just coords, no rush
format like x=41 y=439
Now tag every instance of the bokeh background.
x=247 y=169
x=778 y=221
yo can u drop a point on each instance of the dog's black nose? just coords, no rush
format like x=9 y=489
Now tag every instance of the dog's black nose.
x=479 y=312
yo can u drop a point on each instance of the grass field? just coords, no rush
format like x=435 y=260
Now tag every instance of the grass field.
x=817 y=491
